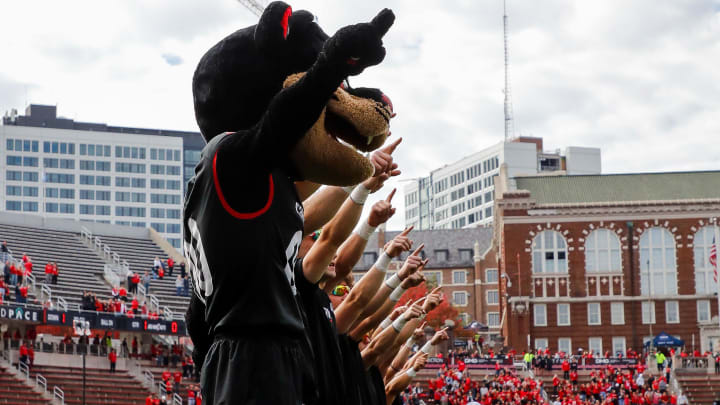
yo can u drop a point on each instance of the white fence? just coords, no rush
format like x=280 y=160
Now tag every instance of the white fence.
x=40 y=380
x=58 y=394
x=121 y=267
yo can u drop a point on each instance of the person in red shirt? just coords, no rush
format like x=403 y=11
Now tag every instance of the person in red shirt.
x=566 y=369
x=122 y=292
x=31 y=355
x=28 y=267
x=112 y=356
x=24 y=353
x=170 y=264
x=22 y=298
x=48 y=273
x=161 y=273
x=177 y=376
x=25 y=258
x=556 y=382
x=135 y=280
x=149 y=399
x=55 y=273
x=134 y=305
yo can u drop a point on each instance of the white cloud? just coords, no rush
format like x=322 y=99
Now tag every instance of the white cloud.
x=638 y=79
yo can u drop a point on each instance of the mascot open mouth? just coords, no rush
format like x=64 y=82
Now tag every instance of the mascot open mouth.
x=354 y=121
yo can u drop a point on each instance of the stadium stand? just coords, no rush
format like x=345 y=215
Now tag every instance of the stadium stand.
x=101 y=386
x=80 y=268
x=13 y=391
x=140 y=253
x=700 y=388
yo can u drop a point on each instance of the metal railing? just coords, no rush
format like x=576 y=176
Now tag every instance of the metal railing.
x=59 y=394
x=141 y=290
x=62 y=304
x=40 y=380
x=154 y=302
x=149 y=378
x=177 y=399
x=162 y=388
x=46 y=292
x=122 y=265
x=167 y=313
x=24 y=369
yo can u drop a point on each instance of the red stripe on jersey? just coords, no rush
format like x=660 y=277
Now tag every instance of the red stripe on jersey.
x=229 y=209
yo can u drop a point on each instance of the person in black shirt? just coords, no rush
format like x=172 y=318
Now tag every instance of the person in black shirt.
x=243 y=220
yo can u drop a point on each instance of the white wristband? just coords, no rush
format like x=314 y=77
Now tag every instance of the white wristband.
x=359 y=194
x=426 y=347
x=410 y=343
x=422 y=316
x=385 y=323
x=411 y=373
x=383 y=262
x=348 y=189
x=393 y=282
x=399 y=323
x=396 y=294
x=364 y=230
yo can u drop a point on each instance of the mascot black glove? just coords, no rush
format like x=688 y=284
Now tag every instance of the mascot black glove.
x=356 y=47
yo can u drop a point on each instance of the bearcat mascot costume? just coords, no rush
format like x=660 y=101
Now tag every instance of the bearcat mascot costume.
x=271 y=104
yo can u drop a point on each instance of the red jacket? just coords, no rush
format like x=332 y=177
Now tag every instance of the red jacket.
x=23 y=291
x=48 y=268
x=23 y=350
x=113 y=357
x=123 y=292
x=170 y=262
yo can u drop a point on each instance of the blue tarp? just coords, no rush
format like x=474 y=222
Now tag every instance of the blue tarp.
x=665 y=340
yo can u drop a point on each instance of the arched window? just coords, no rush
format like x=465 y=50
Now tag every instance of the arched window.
x=658 y=269
x=702 y=243
x=549 y=253
x=602 y=252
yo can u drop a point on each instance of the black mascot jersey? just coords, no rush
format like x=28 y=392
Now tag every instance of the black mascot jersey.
x=241 y=263
x=322 y=332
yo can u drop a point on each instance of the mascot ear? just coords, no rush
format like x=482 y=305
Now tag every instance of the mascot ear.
x=272 y=30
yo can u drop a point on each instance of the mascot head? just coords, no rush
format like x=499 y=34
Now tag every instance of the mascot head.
x=238 y=77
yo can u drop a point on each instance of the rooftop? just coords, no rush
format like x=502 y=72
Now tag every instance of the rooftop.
x=45 y=116
x=622 y=187
x=439 y=239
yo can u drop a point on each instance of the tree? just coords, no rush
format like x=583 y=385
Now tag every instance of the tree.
x=437 y=317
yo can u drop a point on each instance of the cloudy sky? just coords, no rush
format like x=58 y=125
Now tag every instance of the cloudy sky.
x=638 y=78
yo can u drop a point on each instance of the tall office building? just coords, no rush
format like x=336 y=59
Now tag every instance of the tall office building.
x=462 y=194
x=57 y=167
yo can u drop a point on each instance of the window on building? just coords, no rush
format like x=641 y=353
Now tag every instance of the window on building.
x=648 y=312
x=102 y=209
x=67 y=163
x=459 y=276
x=493 y=319
x=563 y=314
x=617 y=313
x=549 y=253
x=441 y=255
x=493 y=297
x=102 y=195
x=703 y=311
x=173 y=214
x=30 y=206
x=122 y=181
x=658 y=272
x=122 y=196
x=465 y=255
x=173 y=228
x=13 y=190
x=541 y=343
x=702 y=245
x=565 y=345
x=158 y=226
x=595 y=346
x=433 y=277
x=671 y=312
x=460 y=298
x=102 y=180
x=369 y=258
x=52 y=192
x=30 y=191
x=157 y=213
x=87 y=209
x=51 y=207
x=491 y=276
x=30 y=161
x=13 y=175
x=14 y=160
x=602 y=252
x=51 y=163
x=593 y=309
x=540 y=314
x=87 y=165
x=87 y=194
x=67 y=193
x=67 y=208
x=618 y=343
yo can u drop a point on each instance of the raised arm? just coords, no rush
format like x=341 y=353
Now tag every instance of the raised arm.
x=362 y=293
x=399 y=383
x=379 y=344
x=295 y=109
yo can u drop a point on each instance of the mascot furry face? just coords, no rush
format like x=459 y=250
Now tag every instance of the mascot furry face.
x=236 y=81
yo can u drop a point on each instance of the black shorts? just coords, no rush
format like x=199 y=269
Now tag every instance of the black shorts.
x=256 y=372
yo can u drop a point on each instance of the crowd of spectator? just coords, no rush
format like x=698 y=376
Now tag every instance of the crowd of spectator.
x=15 y=275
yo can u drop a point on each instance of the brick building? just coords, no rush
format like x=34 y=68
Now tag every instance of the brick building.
x=606 y=261
x=461 y=260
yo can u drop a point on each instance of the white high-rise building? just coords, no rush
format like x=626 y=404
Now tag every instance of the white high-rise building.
x=462 y=194
x=118 y=175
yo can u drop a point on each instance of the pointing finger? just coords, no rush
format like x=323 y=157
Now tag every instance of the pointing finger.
x=391 y=148
x=438 y=288
x=392 y=194
x=418 y=250
x=407 y=230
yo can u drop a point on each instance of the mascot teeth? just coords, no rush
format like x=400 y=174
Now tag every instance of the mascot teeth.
x=370 y=138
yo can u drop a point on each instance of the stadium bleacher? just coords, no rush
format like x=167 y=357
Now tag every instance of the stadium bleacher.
x=700 y=388
x=81 y=268
x=101 y=386
x=13 y=391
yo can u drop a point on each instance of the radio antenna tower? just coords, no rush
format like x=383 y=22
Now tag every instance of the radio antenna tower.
x=509 y=129
x=255 y=6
